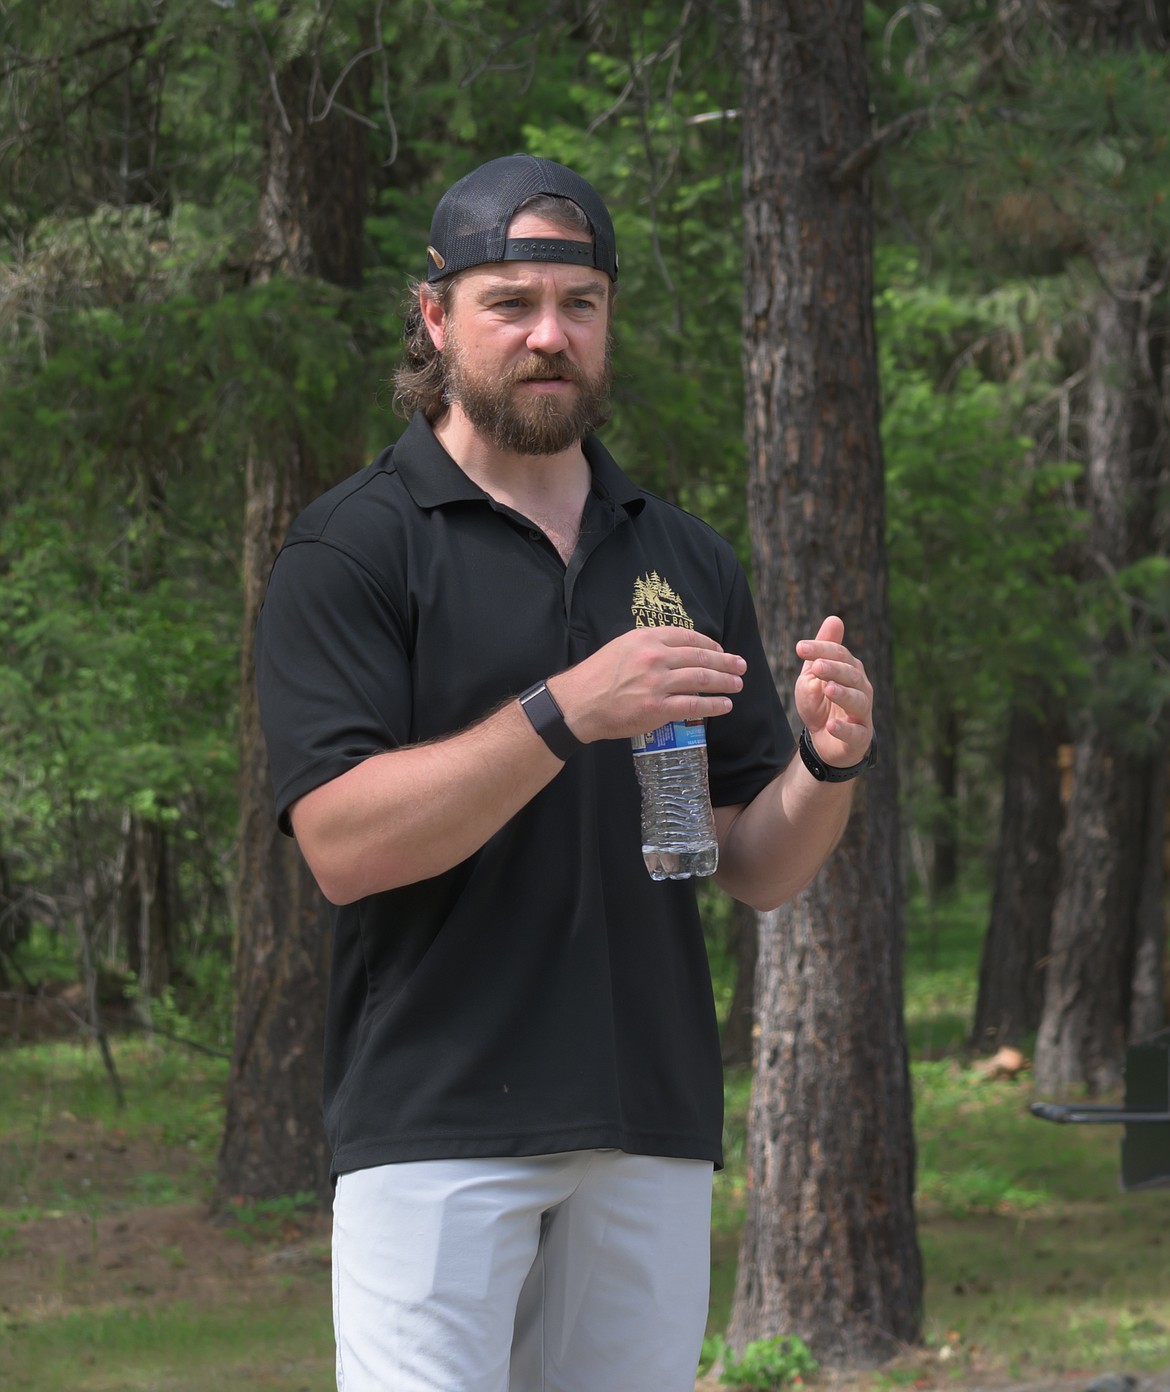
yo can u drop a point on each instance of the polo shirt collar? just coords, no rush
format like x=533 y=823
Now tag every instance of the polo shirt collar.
x=609 y=479
x=432 y=477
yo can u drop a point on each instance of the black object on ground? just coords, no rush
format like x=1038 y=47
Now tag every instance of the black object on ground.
x=1145 y=1114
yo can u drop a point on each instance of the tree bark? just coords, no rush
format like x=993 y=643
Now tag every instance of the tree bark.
x=1027 y=873
x=944 y=865
x=1148 y=1004
x=1085 y=1022
x=829 y=1249
x=1109 y=833
x=147 y=913
x=738 y=1033
x=312 y=209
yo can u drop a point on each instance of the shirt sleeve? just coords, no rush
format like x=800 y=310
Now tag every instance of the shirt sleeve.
x=332 y=670
x=748 y=747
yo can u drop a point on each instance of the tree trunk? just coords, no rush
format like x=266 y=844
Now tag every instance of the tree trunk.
x=738 y=1033
x=1027 y=873
x=147 y=909
x=1148 y=1004
x=1085 y=1021
x=829 y=1249
x=944 y=863
x=312 y=208
x=14 y=921
x=1109 y=835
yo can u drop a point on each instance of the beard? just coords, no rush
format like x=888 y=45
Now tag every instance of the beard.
x=536 y=425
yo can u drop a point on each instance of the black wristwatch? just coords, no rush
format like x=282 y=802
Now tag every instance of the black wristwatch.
x=830 y=773
x=548 y=720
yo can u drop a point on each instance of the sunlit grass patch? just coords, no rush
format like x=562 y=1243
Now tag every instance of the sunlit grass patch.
x=62 y=1133
x=1085 y=1286
x=283 y=1344
x=166 y=1087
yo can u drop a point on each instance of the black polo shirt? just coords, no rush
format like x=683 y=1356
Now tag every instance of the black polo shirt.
x=545 y=994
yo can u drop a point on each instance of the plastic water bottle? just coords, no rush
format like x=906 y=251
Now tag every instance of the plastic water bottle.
x=678 y=826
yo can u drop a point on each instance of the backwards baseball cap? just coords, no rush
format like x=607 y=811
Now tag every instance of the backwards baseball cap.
x=470 y=226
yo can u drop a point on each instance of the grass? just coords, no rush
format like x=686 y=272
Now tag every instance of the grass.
x=57 y=1093
x=1036 y=1265
x=285 y=1347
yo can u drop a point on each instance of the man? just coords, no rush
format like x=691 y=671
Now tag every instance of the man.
x=522 y=1080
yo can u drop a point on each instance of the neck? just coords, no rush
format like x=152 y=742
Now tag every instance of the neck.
x=520 y=480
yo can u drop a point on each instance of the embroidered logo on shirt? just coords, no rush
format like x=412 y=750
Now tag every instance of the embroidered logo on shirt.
x=656 y=604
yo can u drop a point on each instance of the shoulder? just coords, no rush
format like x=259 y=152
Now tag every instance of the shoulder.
x=344 y=510
x=656 y=516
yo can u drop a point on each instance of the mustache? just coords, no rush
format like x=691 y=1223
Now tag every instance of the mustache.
x=545 y=368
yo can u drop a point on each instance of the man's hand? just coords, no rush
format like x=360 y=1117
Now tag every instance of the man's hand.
x=834 y=697
x=644 y=678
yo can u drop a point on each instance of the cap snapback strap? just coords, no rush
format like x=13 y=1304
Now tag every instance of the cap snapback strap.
x=548 y=249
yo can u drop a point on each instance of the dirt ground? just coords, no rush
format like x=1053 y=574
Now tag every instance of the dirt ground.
x=152 y=1254
x=172 y=1253
x=142 y=1251
x=146 y=1249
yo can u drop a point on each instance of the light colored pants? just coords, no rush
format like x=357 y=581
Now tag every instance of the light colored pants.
x=581 y=1272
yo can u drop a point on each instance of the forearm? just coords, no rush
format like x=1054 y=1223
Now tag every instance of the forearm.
x=771 y=847
x=412 y=813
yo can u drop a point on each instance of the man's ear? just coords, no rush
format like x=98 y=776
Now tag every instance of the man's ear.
x=433 y=316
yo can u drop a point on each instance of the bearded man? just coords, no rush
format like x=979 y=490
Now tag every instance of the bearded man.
x=523 y=1090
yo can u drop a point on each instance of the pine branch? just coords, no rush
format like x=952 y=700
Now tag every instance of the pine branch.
x=853 y=166
x=25 y=61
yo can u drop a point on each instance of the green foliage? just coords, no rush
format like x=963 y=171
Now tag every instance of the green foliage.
x=266 y=1220
x=672 y=184
x=1029 y=182
x=1045 y=142
x=766 y=1364
x=978 y=518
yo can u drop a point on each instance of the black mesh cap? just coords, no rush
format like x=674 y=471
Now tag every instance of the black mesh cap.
x=470 y=225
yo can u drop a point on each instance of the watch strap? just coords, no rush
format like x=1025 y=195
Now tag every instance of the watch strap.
x=830 y=773
x=548 y=720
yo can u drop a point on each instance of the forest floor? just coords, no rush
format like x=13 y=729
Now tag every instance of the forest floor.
x=138 y=1259
x=115 y=1275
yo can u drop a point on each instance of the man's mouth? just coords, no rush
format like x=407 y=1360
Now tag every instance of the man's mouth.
x=549 y=372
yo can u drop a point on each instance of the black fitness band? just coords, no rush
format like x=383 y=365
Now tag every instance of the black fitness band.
x=548 y=721
x=831 y=773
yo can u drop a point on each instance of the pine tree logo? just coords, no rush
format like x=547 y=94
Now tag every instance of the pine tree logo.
x=656 y=604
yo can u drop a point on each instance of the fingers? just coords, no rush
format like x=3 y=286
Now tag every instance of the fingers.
x=833 y=692
x=646 y=677
x=681 y=637
x=832 y=629
x=829 y=642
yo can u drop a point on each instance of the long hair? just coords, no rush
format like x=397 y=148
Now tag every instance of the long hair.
x=421 y=379
x=420 y=382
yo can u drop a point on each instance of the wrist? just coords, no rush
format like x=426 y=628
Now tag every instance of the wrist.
x=833 y=773
x=546 y=717
x=572 y=697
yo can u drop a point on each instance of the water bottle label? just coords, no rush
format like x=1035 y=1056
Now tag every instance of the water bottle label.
x=678 y=734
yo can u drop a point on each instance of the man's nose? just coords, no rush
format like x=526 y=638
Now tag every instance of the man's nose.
x=547 y=334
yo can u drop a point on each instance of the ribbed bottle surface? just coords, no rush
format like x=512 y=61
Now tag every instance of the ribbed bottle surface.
x=678 y=826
